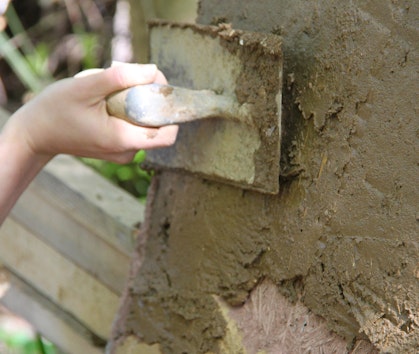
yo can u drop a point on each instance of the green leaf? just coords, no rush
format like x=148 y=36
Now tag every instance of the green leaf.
x=125 y=173
x=19 y=64
x=139 y=157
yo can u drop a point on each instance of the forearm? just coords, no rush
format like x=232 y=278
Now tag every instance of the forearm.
x=19 y=166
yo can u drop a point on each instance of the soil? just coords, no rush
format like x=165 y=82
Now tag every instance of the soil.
x=341 y=235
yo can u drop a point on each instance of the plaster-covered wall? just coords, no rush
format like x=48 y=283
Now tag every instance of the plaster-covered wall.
x=341 y=237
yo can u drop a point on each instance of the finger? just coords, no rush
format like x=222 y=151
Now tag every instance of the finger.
x=87 y=72
x=160 y=78
x=119 y=158
x=117 y=78
x=162 y=137
x=132 y=137
x=117 y=63
x=152 y=138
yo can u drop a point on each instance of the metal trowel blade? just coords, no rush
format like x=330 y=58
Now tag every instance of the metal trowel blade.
x=242 y=64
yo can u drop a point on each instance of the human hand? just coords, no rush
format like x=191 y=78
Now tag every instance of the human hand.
x=70 y=117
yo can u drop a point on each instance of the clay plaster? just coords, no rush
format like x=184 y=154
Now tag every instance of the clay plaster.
x=341 y=237
x=244 y=151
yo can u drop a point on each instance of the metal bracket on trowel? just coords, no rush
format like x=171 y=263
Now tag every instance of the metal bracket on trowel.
x=244 y=65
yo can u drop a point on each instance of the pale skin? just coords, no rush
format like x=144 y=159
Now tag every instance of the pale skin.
x=70 y=117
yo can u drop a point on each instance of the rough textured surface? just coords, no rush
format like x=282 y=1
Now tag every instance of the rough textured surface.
x=268 y=322
x=342 y=235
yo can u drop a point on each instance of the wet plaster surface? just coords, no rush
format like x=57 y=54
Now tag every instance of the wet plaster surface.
x=240 y=151
x=342 y=234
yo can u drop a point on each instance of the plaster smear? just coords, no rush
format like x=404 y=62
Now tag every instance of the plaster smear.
x=243 y=152
x=269 y=323
x=341 y=237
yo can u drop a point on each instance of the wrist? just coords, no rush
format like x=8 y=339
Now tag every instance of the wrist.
x=16 y=143
x=19 y=166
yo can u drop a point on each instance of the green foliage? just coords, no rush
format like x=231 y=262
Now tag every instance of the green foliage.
x=38 y=60
x=130 y=176
x=29 y=62
x=22 y=343
x=89 y=43
x=19 y=64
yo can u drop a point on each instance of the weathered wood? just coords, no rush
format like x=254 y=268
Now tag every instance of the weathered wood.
x=110 y=212
x=67 y=245
x=40 y=211
x=96 y=204
x=55 y=276
x=49 y=319
x=69 y=238
x=83 y=216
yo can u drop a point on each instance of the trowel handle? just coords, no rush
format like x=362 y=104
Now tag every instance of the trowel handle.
x=156 y=105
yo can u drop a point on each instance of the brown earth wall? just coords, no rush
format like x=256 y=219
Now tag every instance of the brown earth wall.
x=341 y=237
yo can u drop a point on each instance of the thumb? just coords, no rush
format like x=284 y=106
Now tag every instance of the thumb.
x=104 y=82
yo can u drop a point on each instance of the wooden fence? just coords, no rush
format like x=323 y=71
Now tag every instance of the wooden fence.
x=66 y=249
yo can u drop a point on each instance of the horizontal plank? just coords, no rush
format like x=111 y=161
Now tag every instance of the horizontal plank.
x=46 y=270
x=86 y=197
x=83 y=216
x=97 y=204
x=51 y=321
x=54 y=226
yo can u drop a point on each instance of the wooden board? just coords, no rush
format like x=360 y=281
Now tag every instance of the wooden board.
x=39 y=210
x=49 y=319
x=52 y=274
x=100 y=206
x=56 y=277
x=67 y=244
x=84 y=196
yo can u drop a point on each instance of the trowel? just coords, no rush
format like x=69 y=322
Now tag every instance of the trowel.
x=225 y=92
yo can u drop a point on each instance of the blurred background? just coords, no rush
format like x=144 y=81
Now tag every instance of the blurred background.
x=47 y=40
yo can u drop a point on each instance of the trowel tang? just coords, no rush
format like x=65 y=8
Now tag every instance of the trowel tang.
x=156 y=105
